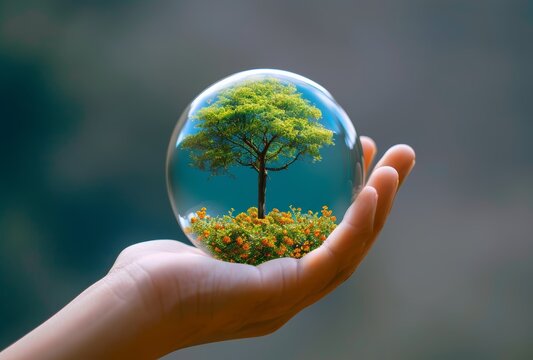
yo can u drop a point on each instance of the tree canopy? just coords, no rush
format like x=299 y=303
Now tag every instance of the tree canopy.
x=265 y=125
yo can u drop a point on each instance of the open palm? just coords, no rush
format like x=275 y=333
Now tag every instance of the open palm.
x=187 y=297
x=163 y=295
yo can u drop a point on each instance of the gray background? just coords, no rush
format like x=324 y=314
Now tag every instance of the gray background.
x=90 y=93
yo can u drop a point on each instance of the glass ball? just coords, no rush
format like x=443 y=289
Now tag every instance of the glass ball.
x=261 y=165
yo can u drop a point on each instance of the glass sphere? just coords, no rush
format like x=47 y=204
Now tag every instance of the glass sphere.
x=261 y=165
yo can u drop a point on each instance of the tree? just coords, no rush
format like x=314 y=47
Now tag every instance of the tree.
x=265 y=125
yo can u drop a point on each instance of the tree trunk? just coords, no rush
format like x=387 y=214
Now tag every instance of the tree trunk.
x=261 y=191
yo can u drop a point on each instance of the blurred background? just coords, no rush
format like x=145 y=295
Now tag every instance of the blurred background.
x=90 y=93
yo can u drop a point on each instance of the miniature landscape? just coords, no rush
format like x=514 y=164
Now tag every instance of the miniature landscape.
x=264 y=125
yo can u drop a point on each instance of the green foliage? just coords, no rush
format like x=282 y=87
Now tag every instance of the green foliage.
x=245 y=238
x=266 y=125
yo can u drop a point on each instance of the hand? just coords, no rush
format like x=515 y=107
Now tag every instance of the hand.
x=163 y=295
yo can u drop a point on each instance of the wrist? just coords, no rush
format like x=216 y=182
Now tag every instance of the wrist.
x=102 y=322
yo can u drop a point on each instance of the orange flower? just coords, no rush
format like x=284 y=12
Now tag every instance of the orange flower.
x=217 y=249
x=226 y=239
x=281 y=250
x=305 y=248
x=317 y=233
x=201 y=213
x=288 y=240
x=244 y=256
x=267 y=242
x=323 y=237
x=239 y=240
x=307 y=231
x=333 y=218
x=194 y=219
x=246 y=246
x=206 y=233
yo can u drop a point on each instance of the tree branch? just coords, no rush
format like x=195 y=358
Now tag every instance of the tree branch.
x=239 y=161
x=286 y=165
x=220 y=133
x=274 y=137
x=240 y=145
x=251 y=145
x=277 y=152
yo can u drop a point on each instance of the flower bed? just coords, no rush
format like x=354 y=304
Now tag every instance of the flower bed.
x=244 y=238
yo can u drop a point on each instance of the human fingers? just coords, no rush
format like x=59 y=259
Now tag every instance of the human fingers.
x=385 y=182
x=401 y=157
x=318 y=268
x=369 y=152
x=286 y=282
x=386 y=179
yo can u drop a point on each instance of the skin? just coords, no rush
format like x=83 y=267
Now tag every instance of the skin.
x=163 y=295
